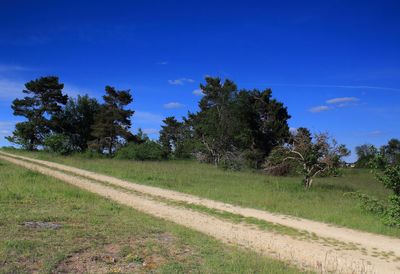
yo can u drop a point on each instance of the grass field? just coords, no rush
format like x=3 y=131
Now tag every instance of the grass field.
x=102 y=235
x=324 y=202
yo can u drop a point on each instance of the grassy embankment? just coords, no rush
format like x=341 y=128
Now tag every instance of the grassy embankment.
x=102 y=235
x=325 y=201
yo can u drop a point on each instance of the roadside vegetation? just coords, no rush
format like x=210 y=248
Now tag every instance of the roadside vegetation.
x=49 y=226
x=326 y=201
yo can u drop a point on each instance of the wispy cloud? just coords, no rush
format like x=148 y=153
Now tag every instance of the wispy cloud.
x=180 y=81
x=163 y=63
x=150 y=131
x=342 y=100
x=373 y=133
x=147 y=117
x=10 y=89
x=12 y=68
x=333 y=103
x=198 y=92
x=73 y=90
x=172 y=105
x=318 y=109
x=338 y=86
x=6 y=128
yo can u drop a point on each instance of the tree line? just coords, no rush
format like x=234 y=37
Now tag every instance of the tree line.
x=62 y=124
x=388 y=153
x=232 y=128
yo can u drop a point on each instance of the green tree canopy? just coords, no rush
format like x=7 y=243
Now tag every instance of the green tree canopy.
x=76 y=120
x=44 y=99
x=232 y=123
x=113 y=121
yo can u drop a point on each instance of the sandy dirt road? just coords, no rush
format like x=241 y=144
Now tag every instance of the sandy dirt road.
x=303 y=253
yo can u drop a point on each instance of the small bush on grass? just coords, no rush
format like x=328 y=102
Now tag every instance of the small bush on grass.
x=390 y=178
x=392 y=214
x=148 y=150
x=369 y=203
x=58 y=143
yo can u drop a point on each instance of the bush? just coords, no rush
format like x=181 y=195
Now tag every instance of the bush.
x=231 y=161
x=392 y=214
x=148 y=150
x=58 y=143
x=282 y=169
x=369 y=203
x=276 y=167
x=391 y=178
x=90 y=154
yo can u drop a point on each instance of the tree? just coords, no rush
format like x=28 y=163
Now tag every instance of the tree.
x=172 y=137
x=391 y=151
x=265 y=123
x=365 y=153
x=76 y=121
x=234 y=124
x=215 y=125
x=113 y=121
x=44 y=99
x=315 y=155
x=142 y=137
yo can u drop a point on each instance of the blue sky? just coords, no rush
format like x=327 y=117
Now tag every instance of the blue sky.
x=335 y=64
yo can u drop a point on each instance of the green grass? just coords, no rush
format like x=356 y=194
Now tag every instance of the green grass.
x=323 y=202
x=98 y=230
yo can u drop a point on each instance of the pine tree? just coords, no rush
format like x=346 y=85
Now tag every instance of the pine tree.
x=113 y=121
x=44 y=99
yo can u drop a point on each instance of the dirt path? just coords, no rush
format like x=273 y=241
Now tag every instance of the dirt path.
x=303 y=253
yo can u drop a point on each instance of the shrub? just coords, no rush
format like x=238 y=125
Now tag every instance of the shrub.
x=58 y=143
x=231 y=161
x=282 y=169
x=276 y=167
x=392 y=214
x=390 y=178
x=148 y=150
x=368 y=203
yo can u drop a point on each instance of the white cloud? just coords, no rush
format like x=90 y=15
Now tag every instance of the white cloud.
x=173 y=105
x=74 y=91
x=374 y=133
x=150 y=131
x=9 y=68
x=6 y=128
x=198 y=92
x=147 y=117
x=162 y=63
x=334 y=103
x=336 y=86
x=342 y=100
x=319 y=109
x=180 y=81
x=10 y=89
x=293 y=130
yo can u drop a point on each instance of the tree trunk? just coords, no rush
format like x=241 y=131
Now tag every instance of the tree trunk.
x=308 y=181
